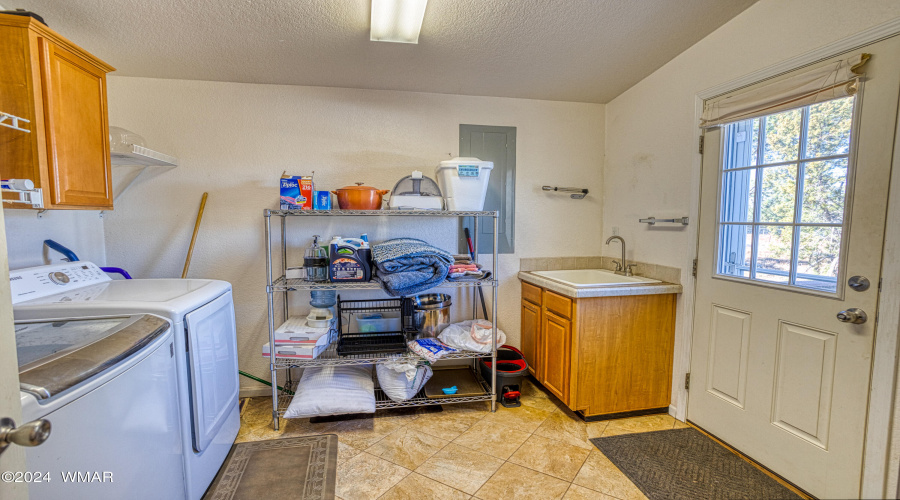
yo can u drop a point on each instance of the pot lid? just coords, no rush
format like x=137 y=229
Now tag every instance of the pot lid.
x=358 y=187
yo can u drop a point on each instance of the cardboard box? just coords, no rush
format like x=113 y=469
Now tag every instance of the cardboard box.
x=294 y=351
x=296 y=331
x=297 y=193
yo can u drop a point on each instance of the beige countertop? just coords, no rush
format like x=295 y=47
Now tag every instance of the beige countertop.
x=600 y=291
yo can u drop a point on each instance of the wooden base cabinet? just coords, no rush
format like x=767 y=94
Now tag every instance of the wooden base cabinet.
x=602 y=355
x=61 y=90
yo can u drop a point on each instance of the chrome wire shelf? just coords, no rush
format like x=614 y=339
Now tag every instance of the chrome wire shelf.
x=380 y=213
x=384 y=402
x=283 y=284
x=280 y=283
x=330 y=357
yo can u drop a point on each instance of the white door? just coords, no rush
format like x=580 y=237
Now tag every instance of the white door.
x=792 y=207
x=13 y=459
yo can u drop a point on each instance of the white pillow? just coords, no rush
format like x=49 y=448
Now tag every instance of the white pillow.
x=333 y=390
x=397 y=386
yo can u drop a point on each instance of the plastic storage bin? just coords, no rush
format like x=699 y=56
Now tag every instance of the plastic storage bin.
x=379 y=322
x=464 y=182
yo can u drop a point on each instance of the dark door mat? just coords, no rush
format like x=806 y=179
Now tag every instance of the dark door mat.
x=684 y=464
x=389 y=412
x=301 y=467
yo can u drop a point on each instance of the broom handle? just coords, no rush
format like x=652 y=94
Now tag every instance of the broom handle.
x=187 y=261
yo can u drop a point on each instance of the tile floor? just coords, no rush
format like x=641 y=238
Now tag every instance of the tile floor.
x=540 y=450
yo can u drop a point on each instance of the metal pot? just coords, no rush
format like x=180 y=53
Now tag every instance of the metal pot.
x=360 y=197
x=431 y=313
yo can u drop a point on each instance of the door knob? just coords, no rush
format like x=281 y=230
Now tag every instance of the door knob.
x=30 y=434
x=853 y=315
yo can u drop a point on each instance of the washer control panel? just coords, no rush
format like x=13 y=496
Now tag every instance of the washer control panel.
x=38 y=282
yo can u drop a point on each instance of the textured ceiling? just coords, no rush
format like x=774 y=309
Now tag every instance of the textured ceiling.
x=566 y=50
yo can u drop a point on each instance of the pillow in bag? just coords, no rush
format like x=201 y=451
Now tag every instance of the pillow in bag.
x=333 y=390
x=397 y=385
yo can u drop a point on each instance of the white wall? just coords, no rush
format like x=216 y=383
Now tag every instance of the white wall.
x=234 y=141
x=79 y=230
x=651 y=129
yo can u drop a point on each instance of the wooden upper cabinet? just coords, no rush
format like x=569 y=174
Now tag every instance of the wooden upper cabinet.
x=61 y=89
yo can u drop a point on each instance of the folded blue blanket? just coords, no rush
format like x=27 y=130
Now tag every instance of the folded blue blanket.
x=405 y=266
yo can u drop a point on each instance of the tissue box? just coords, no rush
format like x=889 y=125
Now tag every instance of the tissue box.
x=297 y=193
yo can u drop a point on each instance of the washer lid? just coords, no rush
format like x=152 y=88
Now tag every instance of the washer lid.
x=56 y=356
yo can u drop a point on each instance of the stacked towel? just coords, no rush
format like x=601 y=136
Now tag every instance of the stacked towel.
x=405 y=266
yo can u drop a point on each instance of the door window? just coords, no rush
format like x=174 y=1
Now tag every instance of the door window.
x=783 y=196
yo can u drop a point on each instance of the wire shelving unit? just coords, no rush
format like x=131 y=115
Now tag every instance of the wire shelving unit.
x=279 y=284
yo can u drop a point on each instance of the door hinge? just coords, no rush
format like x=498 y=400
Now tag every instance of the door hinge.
x=687 y=381
x=694 y=269
x=700 y=146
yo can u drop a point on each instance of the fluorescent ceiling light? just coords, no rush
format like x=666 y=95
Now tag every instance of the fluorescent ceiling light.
x=397 y=20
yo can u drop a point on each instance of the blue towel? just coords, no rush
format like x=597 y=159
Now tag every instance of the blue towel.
x=405 y=266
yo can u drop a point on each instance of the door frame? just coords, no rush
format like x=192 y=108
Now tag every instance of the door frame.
x=880 y=475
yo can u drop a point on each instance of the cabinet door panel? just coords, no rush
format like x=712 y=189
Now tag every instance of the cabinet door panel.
x=556 y=340
x=75 y=118
x=531 y=335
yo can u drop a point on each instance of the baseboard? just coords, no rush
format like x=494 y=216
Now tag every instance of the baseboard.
x=624 y=414
x=254 y=391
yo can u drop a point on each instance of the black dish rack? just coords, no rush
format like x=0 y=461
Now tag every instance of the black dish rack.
x=355 y=343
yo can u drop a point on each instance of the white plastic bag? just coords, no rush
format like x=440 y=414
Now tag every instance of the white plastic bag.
x=471 y=335
x=396 y=384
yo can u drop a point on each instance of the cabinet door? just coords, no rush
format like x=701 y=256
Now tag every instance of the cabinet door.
x=556 y=343
x=76 y=127
x=531 y=337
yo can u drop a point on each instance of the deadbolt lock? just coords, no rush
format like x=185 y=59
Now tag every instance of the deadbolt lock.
x=859 y=283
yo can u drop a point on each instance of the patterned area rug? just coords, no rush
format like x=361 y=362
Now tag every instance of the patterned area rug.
x=302 y=468
x=685 y=464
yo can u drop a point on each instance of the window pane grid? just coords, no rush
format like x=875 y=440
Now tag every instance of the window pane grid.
x=782 y=163
x=781 y=201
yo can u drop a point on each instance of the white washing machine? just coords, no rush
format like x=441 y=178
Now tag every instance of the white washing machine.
x=108 y=387
x=205 y=345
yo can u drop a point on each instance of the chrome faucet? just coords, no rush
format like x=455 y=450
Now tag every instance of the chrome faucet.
x=623 y=267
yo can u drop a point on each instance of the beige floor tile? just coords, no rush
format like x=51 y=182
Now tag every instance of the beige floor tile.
x=346 y=452
x=418 y=487
x=595 y=429
x=531 y=389
x=548 y=404
x=475 y=406
x=524 y=418
x=514 y=481
x=565 y=427
x=363 y=433
x=407 y=448
x=446 y=425
x=365 y=477
x=581 y=493
x=600 y=474
x=646 y=423
x=680 y=425
x=550 y=457
x=493 y=438
x=460 y=468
